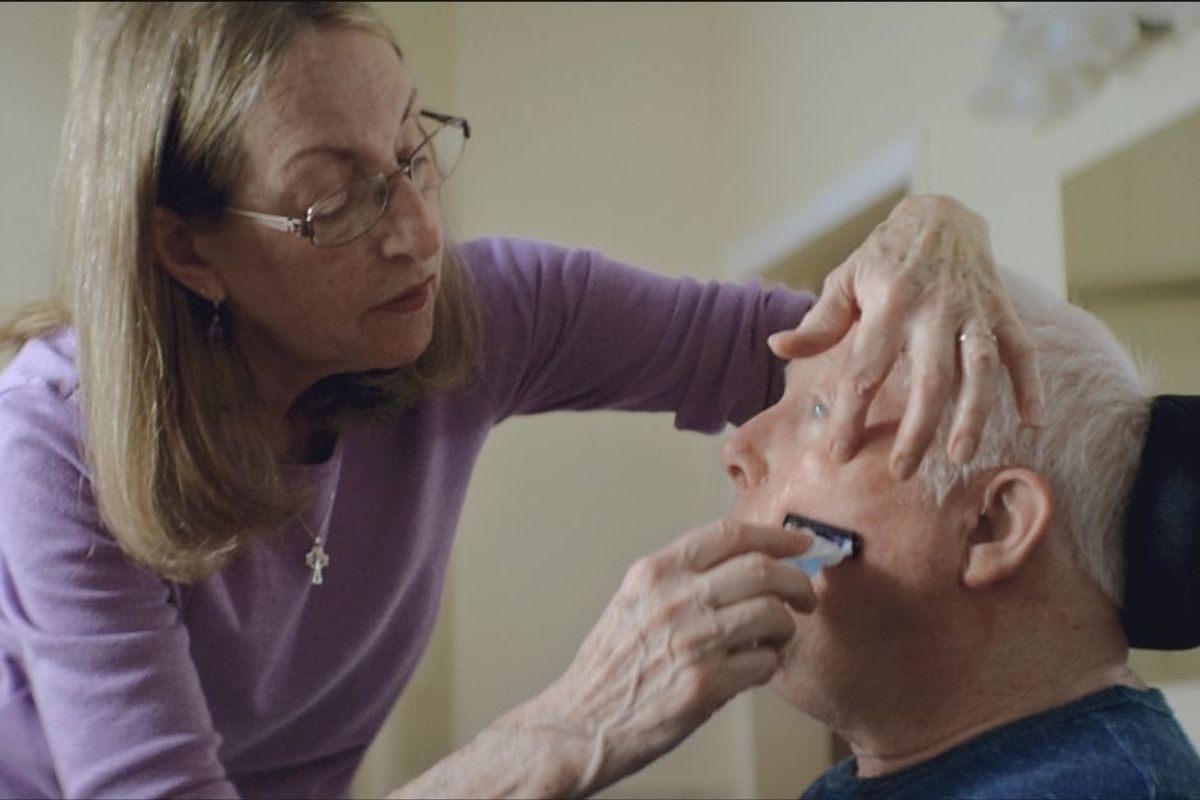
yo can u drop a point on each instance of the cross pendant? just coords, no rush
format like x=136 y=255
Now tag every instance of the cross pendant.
x=317 y=560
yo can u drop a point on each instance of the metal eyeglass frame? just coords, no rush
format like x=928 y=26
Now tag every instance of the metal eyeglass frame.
x=303 y=226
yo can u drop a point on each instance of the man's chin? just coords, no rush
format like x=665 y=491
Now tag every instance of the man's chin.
x=790 y=683
x=802 y=693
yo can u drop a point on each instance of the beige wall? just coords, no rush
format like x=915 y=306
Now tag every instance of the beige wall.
x=595 y=128
x=35 y=40
x=1163 y=331
x=669 y=136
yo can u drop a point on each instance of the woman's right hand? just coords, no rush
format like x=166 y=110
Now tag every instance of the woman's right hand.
x=691 y=626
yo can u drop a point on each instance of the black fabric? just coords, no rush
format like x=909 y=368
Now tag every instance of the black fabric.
x=1162 y=531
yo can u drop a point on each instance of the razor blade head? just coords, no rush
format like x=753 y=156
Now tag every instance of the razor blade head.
x=839 y=536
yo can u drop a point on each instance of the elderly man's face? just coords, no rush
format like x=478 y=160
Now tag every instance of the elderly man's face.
x=885 y=602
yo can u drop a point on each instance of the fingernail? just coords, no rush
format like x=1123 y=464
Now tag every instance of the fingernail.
x=840 y=450
x=963 y=449
x=773 y=340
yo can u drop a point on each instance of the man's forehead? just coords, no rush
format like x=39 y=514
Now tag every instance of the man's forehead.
x=820 y=368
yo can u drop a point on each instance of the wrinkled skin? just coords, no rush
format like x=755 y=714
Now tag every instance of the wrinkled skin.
x=340 y=106
x=924 y=276
x=693 y=624
x=957 y=616
x=690 y=627
x=678 y=640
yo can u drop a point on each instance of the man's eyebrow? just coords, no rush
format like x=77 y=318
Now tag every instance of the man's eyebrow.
x=344 y=153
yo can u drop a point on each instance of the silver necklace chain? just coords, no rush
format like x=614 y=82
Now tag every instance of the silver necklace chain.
x=317 y=559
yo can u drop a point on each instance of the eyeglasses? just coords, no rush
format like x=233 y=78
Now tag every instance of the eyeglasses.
x=351 y=211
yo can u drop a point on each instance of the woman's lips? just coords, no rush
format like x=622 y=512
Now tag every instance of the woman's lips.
x=411 y=301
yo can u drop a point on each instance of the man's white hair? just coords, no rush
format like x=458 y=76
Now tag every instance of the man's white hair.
x=1097 y=410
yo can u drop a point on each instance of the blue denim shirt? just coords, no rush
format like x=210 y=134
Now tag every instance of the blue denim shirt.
x=1120 y=742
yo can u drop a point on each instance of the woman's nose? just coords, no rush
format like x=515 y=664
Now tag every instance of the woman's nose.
x=413 y=221
x=743 y=456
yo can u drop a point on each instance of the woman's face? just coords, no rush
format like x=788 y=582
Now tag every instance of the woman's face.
x=340 y=107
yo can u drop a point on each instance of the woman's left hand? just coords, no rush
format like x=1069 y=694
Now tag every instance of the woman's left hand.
x=923 y=282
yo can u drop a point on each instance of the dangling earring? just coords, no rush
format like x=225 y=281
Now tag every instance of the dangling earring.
x=216 y=330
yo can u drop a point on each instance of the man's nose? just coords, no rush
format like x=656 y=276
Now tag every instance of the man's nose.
x=743 y=456
x=413 y=221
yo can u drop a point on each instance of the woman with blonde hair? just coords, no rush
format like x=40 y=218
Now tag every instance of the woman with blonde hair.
x=237 y=444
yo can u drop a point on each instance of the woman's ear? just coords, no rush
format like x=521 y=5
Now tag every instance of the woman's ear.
x=176 y=249
x=1018 y=505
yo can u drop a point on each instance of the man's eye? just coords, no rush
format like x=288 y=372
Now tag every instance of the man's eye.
x=818 y=409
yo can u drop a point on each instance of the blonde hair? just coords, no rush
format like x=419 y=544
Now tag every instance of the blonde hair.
x=1097 y=410
x=183 y=476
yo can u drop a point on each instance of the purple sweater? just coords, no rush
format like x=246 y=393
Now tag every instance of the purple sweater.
x=114 y=682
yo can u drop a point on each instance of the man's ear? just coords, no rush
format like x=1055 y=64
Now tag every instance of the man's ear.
x=176 y=249
x=1018 y=505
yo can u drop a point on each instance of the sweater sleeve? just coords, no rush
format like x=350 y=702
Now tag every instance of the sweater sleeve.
x=101 y=649
x=571 y=329
x=1162 y=531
